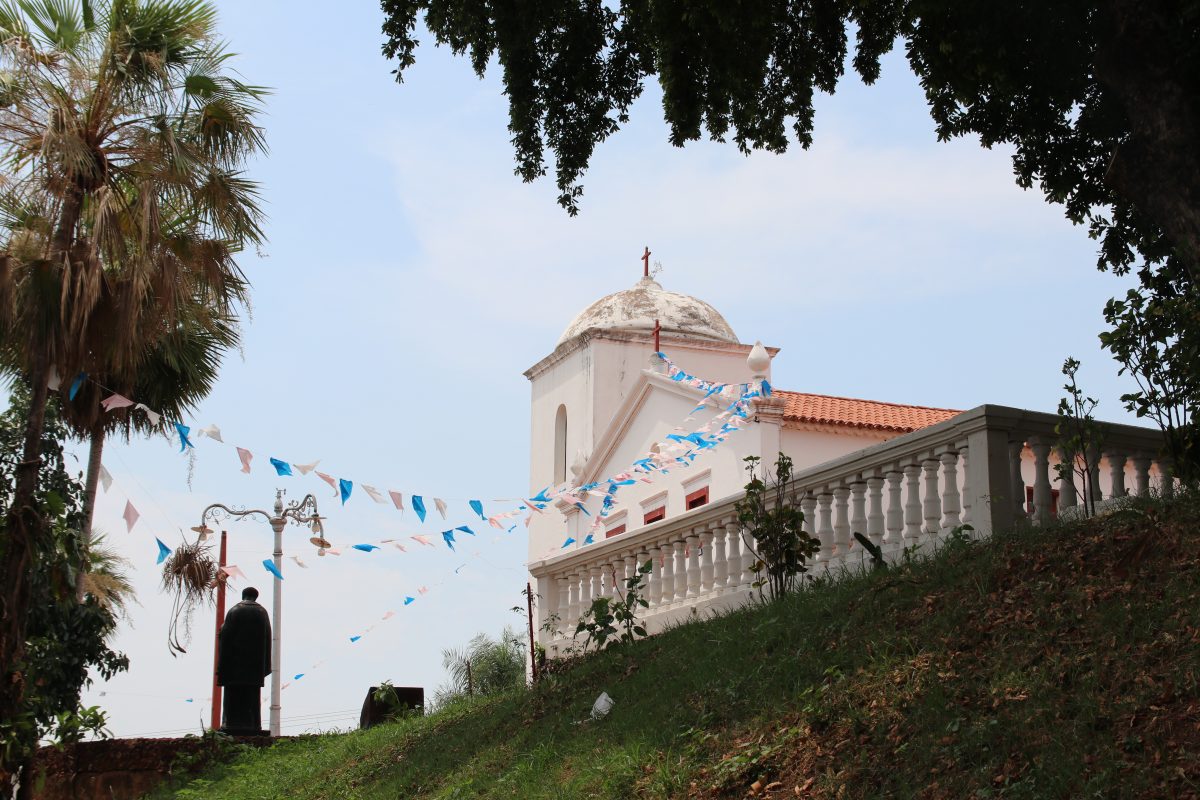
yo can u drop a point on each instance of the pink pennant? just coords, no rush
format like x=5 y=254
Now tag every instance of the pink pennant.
x=115 y=401
x=423 y=590
x=245 y=456
x=333 y=551
x=398 y=499
x=389 y=615
x=130 y=516
x=423 y=540
x=400 y=547
x=374 y=493
x=495 y=523
x=232 y=571
x=441 y=506
x=330 y=480
x=307 y=468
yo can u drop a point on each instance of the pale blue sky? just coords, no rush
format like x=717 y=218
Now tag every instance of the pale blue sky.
x=410 y=278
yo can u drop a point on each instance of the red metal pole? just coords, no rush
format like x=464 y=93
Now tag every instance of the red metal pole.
x=216 y=689
x=532 y=651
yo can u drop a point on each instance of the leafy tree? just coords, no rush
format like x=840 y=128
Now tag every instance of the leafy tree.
x=485 y=666
x=615 y=620
x=64 y=638
x=124 y=139
x=1100 y=101
x=772 y=529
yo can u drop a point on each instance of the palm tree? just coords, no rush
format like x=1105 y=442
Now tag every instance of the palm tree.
x=124 y=139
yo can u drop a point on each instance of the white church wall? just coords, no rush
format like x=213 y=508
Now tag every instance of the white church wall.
x=808 y=448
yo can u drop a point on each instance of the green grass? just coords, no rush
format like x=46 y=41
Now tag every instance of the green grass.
x=1046 y=663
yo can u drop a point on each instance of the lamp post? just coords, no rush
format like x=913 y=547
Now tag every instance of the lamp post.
x=303 y=512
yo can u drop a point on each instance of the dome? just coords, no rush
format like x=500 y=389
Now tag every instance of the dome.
x=636 y=309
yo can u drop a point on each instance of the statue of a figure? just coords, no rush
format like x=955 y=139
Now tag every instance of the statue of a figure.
x=243 y=661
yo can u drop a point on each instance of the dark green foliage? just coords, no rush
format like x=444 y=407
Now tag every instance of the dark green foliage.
x=877 y=560
x=486 y=666
x=771 y=529
x=614 y=620
x=64 y=639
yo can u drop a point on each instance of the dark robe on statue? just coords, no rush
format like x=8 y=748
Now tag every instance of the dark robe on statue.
x=243 y=661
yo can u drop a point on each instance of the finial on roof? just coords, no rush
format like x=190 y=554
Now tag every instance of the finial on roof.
x=646 y=263
x=759 y=361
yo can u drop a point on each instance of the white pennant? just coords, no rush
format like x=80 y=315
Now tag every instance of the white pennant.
x=105 y=478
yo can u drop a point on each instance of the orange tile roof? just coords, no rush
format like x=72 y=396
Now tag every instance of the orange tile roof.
x=820 y=409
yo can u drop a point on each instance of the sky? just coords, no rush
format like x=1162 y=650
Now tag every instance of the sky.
x=410 y=278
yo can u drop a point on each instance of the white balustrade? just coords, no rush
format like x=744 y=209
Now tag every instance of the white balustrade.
x=905 y=492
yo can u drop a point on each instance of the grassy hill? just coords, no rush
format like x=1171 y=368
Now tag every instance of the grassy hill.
x=1046 y=663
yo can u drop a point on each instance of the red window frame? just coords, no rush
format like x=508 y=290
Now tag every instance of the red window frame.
x=1053 y=501
x=617 y=531
x=654 y=515
x=696 y=499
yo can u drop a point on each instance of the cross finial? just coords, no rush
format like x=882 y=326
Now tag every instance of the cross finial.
x=646 y=263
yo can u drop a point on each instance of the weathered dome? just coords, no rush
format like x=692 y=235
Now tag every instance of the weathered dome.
x=636 y=309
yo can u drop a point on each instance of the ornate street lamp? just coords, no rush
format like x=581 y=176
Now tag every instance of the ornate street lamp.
x=304 y=513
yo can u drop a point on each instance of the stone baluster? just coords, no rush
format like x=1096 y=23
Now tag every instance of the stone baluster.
x=894 y=519
x=597 y=584
x=667 y=596
x=585 y=591
x=1041 y=480
x=1141 y=474
x=735 y=554
x=858 y=512
x=564 y=606
x=631 y=568
x=681 y=571
x=1095 y=495
x=573 y=602
x=933 y=499
x=1067 y=496
x=706 y=558
x=912 y=504
x=875 y=512
x=841 y=523
x=1116 y=472
x=693 y=564
x=654 y=590
x=1015 y=480
x=825 y=526
x=808 y=505
x=966 y=487
x=1166 y=477
x=746 y=576
x=720 y=548
x=951 y=502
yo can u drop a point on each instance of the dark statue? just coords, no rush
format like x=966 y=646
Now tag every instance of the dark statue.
x=243 y=661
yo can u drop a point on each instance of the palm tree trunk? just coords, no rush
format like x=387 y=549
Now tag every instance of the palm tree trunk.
x=95 y=450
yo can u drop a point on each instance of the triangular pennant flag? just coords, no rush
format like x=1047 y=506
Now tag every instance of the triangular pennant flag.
x=398 y=500
x=75 y=384
x=184 y=441
x=465 y=529
x=233 y=571
x=212 y=432
x=163 y=551
x=333 y=551
x=152 y=415
x=388 y=616
x=423 y=540
x=115 y=401
x=374 y=494
x=354 y=639
x=567 y=543
x=441 y=506
x=105 y=478
x=330 y=480
x=298 y=676
x=271 y=568
x=130 y=516
x=419 y=506
x=53 y=380
x=589 y=539
x=399 y=547
x=344 y=488
x=307 y=468
x=423 y=590
x=495 y=522
x=299 y=563
x=366 y=548
x=448 y=536
x=408 y=601
x=245 y=456
x=477 y=507
x=281 y=467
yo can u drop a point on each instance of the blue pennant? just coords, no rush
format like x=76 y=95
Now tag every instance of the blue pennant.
x=298 y=676
x=540 y=497
x=766 y=389
x=477 y=507
x=419 y=506
x=184 y=441
x=449 y=537
x=281 y=467
x=366 y=548
x=465 y=529
x=271 y=568
x=589 y=539
x=75 y=384
x=567 y=543
x=344 y=489
x=163 y=551
x=581 y=508
x=409 y=600
x=354 y=639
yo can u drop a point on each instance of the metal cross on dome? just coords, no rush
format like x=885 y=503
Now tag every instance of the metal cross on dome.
x=646 y=271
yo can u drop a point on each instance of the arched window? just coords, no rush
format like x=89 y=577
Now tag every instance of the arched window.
x=560 y=445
